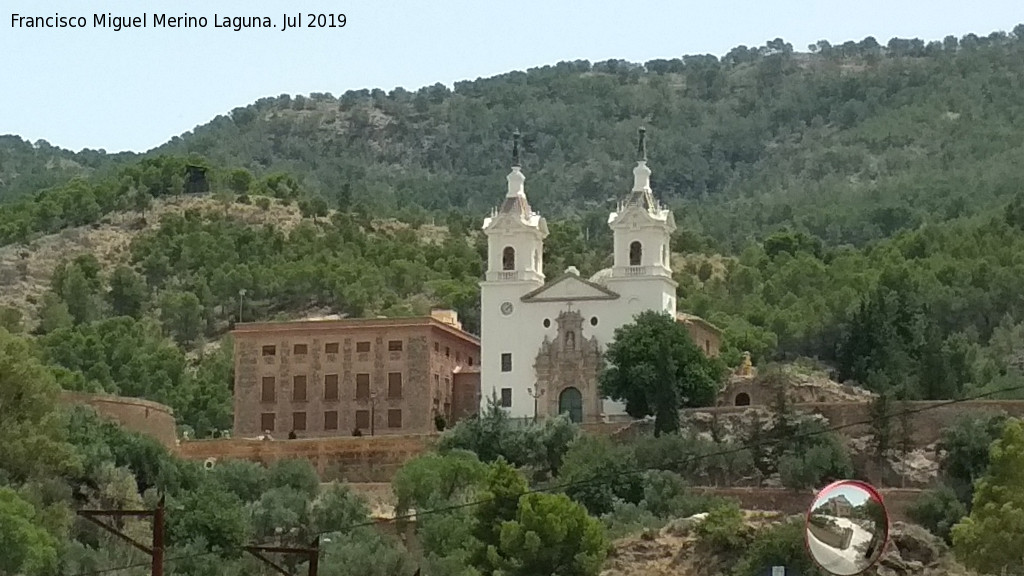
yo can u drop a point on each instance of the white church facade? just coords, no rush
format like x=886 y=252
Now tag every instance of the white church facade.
x=541 y=341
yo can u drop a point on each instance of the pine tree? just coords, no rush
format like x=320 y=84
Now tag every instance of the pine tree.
x=880 y=411
x=905 y=438
x=991 y=539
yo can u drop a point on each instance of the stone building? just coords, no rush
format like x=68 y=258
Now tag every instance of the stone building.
x=542 y=341
x=333 y=377
x=465 y=392
x=706 y=335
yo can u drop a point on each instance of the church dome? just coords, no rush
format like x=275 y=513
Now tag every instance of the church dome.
x=601 y=275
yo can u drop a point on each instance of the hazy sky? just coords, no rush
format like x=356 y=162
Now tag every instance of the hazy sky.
x=854 y=494
x=135 y=89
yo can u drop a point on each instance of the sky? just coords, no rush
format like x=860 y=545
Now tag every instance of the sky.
x=854 y=494
x=135 y=89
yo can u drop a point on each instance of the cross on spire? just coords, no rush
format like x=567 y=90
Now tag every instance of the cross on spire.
x=515 y=149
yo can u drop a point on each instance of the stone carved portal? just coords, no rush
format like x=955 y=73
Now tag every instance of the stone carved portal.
x=567 y=367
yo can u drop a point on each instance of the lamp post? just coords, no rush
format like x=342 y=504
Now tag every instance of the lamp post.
x=241 y=294
x=535 y=395
x=373 y=410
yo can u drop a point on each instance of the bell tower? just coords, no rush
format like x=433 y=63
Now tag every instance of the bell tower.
x=515 y=266
x=643 y=229
x=515 y=233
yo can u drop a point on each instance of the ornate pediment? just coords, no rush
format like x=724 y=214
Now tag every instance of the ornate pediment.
x=567 y=288
x=567 y=368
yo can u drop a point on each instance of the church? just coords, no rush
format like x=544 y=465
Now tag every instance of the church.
x=542 y=341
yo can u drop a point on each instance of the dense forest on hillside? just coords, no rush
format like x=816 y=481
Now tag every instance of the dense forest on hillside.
x=849 y=143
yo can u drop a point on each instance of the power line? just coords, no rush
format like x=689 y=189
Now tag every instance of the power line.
x=146 y=564
x=605 y=477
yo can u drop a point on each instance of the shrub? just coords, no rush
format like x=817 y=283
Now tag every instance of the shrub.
x=598 y=473
x=780 y=545
x=938 y=511
x=723 y=529
x=627 y=519
x=666 y=495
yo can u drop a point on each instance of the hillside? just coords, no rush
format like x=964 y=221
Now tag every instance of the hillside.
x=849 y=143
x=676 y=550
x=26 y=270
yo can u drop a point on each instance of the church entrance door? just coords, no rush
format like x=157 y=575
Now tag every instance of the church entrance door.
x=571 y=401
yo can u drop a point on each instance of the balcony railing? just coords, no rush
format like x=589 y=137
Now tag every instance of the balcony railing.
x=636 y=270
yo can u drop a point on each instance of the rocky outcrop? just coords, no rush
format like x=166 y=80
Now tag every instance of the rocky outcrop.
x=675 y=550
x=913 y=551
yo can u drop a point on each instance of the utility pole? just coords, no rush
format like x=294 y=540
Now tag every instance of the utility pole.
x=312 y=555
x=156 y=551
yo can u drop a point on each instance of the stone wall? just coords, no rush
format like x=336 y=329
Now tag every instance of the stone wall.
x=928 y=419
x=142 y=416
x=352 y=459
x=465 y=395
x=377 y=458
x=897 y=500
x=835 y=538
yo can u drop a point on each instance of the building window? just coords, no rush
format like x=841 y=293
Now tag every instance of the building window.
x=447 y=352
x=636 y=252
x=437 y=381
x=299 y=349
x=506 y=397
x=458 y=356
x=394 y=384
x=506 y=361
x=267 y=421
x=470 y=360
x=593 y=320
x=270 y=350
x=268 y=390
x=362 y=386
x=707 y=346
x=394 y=418
x=331 y=387
x=331 y=348
x=298 y=421
x=394 y=345
x=508 y=258
x=362 y=346
x=331 y=420
x=299 y=388
x=447 y=383
x=362 y=419
x=547 y=323
x=437 y=347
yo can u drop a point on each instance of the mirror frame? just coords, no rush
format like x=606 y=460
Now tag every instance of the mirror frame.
x=872 y=493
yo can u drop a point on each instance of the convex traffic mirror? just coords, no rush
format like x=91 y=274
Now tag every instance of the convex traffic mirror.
x=847 y=527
